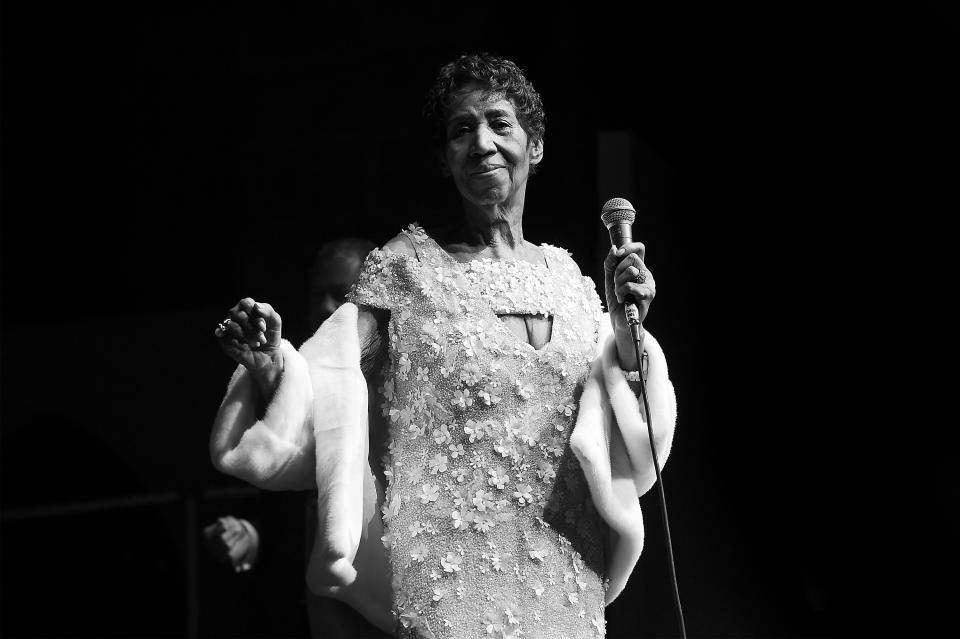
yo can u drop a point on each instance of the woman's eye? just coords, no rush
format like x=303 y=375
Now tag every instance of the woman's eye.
x=501 y=124
x=463 y=129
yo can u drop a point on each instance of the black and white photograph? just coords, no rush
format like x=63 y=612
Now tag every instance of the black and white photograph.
x=479 y=320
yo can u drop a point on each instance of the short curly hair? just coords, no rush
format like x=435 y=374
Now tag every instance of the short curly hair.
x=495 y=75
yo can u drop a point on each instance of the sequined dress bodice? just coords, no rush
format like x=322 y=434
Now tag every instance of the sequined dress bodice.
x=489 y=525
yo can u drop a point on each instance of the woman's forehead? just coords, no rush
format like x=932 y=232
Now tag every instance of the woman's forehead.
x=476 y=100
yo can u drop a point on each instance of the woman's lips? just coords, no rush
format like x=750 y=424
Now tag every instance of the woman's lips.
x=485 y=170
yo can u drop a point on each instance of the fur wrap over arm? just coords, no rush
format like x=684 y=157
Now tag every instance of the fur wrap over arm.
x=314 y=436
x=277 y=451
x=611 y=441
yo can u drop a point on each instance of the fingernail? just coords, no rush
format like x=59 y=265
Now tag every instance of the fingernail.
x=261 y=338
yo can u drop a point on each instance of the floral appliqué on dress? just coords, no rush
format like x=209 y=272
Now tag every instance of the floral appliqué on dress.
x=489 y=524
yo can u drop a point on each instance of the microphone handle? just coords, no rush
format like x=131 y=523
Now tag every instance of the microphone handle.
x=621 y=235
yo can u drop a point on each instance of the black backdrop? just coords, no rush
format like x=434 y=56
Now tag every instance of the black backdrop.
x=161 y=161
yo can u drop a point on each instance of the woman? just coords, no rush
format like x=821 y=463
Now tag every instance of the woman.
x=480 y=346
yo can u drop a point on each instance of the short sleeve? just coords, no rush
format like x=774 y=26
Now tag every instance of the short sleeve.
x=383 y=280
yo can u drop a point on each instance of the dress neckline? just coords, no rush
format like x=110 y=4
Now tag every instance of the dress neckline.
x=420 y=233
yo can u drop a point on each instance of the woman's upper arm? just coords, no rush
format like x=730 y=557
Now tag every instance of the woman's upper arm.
x=372 y=331
x=372 y=322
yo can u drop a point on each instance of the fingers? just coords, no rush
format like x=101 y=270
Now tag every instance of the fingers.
x=639 y=292
x=268 y=322
x=628 y=259
x=251 y=324
x=245 y=317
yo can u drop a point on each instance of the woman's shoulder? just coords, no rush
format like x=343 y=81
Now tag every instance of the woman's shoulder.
x=405 y=242
x=560 y=257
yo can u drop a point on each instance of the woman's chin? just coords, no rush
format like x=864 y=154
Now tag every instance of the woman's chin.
x=489 y=196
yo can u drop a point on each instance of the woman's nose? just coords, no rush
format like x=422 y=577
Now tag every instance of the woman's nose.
x=483 y=141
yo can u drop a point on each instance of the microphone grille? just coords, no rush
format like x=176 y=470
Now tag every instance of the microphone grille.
x=617 y=210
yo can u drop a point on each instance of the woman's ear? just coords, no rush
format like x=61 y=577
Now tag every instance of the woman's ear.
x=536 y=151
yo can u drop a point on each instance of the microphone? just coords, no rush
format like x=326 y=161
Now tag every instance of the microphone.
x=618 y=216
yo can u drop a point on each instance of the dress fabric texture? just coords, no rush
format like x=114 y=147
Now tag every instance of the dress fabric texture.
x=489 y=525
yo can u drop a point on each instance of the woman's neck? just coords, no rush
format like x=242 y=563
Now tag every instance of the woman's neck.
x=495 y=232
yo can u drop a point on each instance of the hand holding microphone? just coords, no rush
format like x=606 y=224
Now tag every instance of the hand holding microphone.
x=629 y=285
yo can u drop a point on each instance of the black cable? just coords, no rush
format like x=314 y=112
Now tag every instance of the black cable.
x=663 y=496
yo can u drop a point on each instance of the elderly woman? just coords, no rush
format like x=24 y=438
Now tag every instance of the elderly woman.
x=506 y=448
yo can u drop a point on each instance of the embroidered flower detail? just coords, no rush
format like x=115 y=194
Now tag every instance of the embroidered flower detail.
x=461 y=519
x=455 y=451
x=539 y=553
x=470 y=373
x=523 y=494
x=524 y=390
x=461 y=398
x=451 y=563
x=387 y=390
x=403 y=366
x=546 y=472
x=572 y=598
x=415 y=528
x=483 y=523
x=493 y=621
x=429 y=493
x=442 y=435
x=488 y=394
x=438 y=464
x=537 y=587
x=434 y=574
x=419 y=552
x=496 y=561
x=566 y=407
x=391 y=509
x=389 y=539
x=498 y=477
x=483 y=500
x=416 y=430
x=422 y=374
x=415 y=474
x=475 y=430
x=440 y=593
x=599 y=623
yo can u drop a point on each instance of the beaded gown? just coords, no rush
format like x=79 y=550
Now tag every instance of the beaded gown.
x=490 y=529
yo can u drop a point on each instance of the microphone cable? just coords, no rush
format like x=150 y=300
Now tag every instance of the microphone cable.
x=663 y=496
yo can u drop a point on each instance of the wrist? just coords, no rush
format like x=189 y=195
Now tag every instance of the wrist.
x=268 y=380
x=627 y=349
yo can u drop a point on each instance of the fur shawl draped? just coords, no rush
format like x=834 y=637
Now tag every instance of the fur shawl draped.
x=313 y=435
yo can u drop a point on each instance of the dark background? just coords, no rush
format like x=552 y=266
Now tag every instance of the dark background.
x=793 y=166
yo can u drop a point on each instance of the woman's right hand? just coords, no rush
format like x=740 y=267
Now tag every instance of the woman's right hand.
x=251 y=337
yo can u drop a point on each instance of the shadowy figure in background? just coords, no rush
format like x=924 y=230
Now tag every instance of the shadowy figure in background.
x=238 y=541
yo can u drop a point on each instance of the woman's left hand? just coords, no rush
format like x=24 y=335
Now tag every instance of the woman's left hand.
x=626 y=275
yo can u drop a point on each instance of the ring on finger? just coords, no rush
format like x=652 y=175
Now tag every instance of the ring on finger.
x=222 y=326
x=641 y=275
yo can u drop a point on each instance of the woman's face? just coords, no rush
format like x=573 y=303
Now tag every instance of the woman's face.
x=487 y=152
